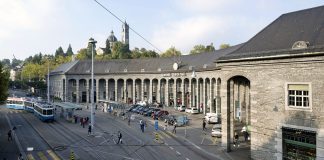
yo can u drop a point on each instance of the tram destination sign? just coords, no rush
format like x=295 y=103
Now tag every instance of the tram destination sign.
x=174 y=74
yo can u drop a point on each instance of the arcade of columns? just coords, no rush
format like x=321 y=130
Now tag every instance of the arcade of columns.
x=201 y=92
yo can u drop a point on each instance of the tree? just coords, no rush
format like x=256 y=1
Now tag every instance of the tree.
x=6 y=63
x=83 y=54
x=143 y=53
x=4 y=81
x=59 y=52
x=15 y=62
x=120 y=51
x=107 y=50
x=69 y=51
x=171 y=52
x=224 y=45
x=210 y=48
x=198 y=49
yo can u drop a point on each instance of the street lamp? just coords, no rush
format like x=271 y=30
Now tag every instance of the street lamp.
x=93 y=43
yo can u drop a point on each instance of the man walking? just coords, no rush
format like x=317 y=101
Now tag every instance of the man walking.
x=9 y=135
x=120 y=138
x=175 y=128
x=89 y=130
x=204 y=124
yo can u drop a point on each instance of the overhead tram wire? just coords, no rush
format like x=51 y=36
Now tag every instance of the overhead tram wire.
x=128 y=26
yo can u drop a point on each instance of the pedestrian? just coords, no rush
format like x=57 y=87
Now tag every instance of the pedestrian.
x=96 y=107
x=87 y=106
x=245 y=133
x=129 y=120
x=75 y=119
x=81 y=121
x=156 y=125
x=142 y=125
x=236 y=140
x=9 y=135
x=20 y=157
x=120 y=138
x=174 y=128
x=89 y=130
x=204 y=124
x=166 y=126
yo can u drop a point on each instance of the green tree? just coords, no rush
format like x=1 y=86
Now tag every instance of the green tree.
x=6 y=63
x=224 y=45
x=107 y=49
x=120 y=51
x=15 y=62
x=143 y=53
x=4 y=81
x=198 y=49
x=210 y=48
x=83 y=54
x=171 y=52
x=59 y=52
x=69 y=51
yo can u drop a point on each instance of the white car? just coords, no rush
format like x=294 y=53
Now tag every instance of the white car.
x=181 y=108
x=211 y=117
x=192 y=110
x=216 y=131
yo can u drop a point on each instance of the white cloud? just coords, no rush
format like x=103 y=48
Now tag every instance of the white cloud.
x=186 y=33
x=205 y=5
x=22 y=15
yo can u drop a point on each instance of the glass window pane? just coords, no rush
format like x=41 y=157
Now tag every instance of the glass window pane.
x=305 y=101
x=299 y=92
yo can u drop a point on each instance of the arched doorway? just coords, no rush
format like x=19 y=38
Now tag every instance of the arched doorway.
x=238 y=109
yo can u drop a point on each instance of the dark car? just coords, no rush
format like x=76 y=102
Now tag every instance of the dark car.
x=144 y=110
x=162 y=113
x=170 y=119
x=140 y=109
x=148 y=112
x=131 y=108
x=136 y=108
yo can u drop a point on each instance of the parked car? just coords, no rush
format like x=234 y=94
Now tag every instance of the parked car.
x=192 y=110
x=211 y=118
x=162 y=113
x=144 y=110
x=182 y=120
x=131 y=108
x=216 y=130
x=138 y=109
x=148 y=112
x=181 y=108
x=170 y=119
x=135 y=108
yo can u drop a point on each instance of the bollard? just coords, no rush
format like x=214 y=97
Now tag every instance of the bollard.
x=72 y=156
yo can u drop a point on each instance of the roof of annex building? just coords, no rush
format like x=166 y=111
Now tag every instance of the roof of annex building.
x=202 y=61
x=292 y=33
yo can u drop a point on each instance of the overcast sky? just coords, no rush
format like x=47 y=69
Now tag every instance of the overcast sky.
x=28 y=27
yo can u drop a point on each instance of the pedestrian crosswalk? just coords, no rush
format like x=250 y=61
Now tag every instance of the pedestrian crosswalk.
x=42 y=155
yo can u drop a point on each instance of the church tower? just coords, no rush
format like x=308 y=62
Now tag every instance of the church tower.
x=125 y=33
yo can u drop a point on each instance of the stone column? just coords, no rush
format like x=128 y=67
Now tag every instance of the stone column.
x=210 y=96
x=158 y=91
x=183 y=92
x=133 y=92
x=97 y=91
x=107 y=89
x=66 y=91
x=77 y=91
x=142 y=91
x=87 y=90
x=204 y=95
x=190 y=95
x=166 y=97
x=175 y=93
x=197 y=94
x=116 y=90
x=125 y=90
x=150 y=91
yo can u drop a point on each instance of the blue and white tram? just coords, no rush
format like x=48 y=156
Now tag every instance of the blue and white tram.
x=44 y=111
x=29 y=105
x=15 y=103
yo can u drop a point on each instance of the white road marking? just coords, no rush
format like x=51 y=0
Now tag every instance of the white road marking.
x=178 y=153
x=187 y=158
x=171 y=148
x=166 y=144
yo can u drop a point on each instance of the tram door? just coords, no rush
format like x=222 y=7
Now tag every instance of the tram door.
x=298 y=144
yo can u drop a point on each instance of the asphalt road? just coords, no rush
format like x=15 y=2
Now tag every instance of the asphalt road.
x=61 y=138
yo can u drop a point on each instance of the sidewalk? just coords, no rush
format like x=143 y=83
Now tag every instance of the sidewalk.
x=8 y=149
x=202 y=140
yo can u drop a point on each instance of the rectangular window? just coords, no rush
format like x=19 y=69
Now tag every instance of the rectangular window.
x=298 y=95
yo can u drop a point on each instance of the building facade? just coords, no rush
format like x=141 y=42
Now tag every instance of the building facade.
x=273 y=83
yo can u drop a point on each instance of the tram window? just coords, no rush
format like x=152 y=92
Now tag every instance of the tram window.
x=49 y=112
